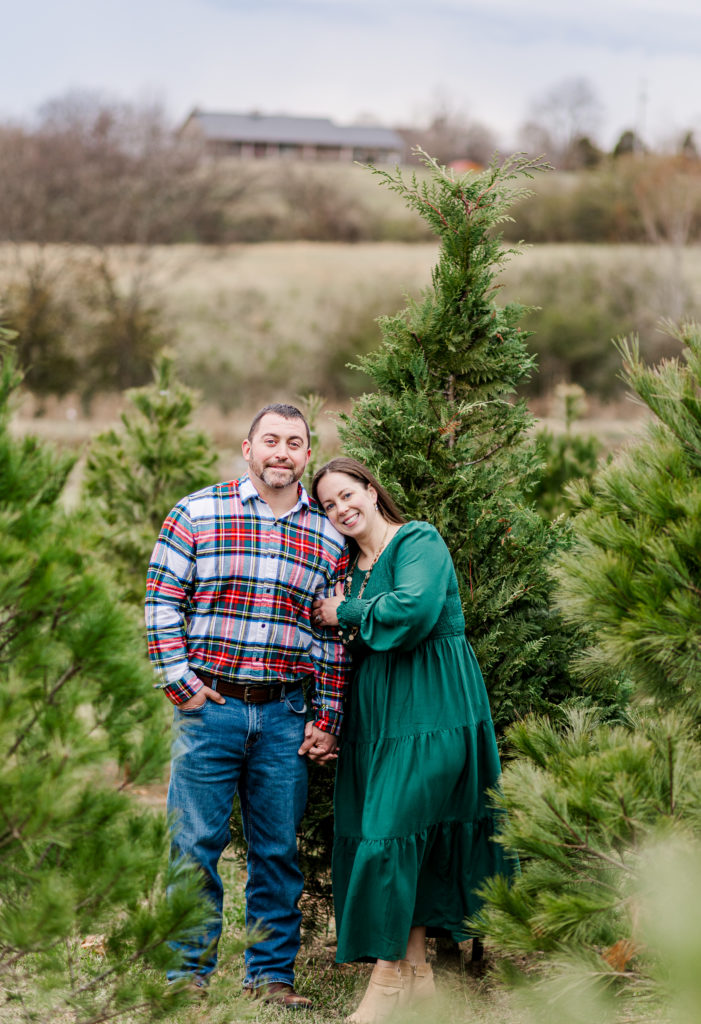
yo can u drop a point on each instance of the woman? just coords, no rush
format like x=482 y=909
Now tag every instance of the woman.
x=418 y=749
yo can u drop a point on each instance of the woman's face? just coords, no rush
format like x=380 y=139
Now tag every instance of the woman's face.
x=348 y=503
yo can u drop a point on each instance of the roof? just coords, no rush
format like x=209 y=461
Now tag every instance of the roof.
x=313 y=131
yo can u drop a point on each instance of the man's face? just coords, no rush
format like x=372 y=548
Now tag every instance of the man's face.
x=278 y=452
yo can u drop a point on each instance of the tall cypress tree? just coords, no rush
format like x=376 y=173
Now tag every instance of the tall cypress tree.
x=445 y=432
x=79 y=721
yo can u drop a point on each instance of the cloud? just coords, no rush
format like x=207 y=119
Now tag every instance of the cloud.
x=339 y=57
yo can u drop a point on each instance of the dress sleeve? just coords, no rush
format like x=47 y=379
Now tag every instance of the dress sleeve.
x=401 y=619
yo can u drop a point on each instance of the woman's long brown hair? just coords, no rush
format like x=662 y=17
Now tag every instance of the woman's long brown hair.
x=351 y=467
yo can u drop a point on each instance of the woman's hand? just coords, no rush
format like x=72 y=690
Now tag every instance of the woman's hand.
x=324 y=609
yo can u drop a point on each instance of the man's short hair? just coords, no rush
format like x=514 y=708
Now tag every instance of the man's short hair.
x=288 y=412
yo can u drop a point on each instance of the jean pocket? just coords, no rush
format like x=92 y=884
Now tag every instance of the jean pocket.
x=295 y=702
x=190 y=712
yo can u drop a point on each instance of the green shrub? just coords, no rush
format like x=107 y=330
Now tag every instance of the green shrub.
x=579 y=305
x=44 y=320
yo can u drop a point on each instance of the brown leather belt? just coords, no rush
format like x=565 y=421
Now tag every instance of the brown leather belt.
x=250 y=693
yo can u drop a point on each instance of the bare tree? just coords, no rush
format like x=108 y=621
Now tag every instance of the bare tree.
x=105 y=172
x=450 y=134
x=667 y=190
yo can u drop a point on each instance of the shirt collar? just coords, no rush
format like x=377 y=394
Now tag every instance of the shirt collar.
x=248 y=491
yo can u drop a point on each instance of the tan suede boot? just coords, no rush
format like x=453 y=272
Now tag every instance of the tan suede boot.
x=381 y=996
x=418 y=982
x=424 y=985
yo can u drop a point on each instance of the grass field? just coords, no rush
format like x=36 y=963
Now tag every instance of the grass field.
x=254 y=323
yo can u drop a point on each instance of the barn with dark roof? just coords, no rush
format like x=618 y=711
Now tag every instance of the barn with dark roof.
x=275 y=137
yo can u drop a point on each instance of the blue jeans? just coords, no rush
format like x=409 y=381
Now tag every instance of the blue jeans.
x=250 y=748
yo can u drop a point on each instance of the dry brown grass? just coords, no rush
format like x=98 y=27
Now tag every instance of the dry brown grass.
x=254 y=322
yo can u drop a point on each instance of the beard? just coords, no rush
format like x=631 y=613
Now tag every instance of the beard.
x=275 y=477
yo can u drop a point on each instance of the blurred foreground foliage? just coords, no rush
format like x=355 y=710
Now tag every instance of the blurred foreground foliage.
x=85 y=924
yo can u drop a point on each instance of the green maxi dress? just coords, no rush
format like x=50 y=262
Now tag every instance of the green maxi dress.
x=417 y=753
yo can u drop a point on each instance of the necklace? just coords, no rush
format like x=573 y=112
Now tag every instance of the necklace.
x=353 y=632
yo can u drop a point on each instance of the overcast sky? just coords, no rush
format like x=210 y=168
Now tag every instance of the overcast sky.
x=393 y=59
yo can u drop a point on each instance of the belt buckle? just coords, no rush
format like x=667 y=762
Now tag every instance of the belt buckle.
x=248 y=687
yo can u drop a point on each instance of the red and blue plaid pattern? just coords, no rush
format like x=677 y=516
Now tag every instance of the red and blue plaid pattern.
x=230 y=590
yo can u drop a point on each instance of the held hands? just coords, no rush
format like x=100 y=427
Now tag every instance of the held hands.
x=324 y=609
x=318 y=745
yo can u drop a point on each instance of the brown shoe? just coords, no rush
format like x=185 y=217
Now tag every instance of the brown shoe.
x=281 y=994
x=195 y=984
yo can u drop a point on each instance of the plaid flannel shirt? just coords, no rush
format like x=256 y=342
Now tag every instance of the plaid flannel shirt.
x=230 y=590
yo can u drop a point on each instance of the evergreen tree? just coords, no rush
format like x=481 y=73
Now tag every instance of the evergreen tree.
x=583 y=803
x=632 y=580
x=83 y=868
x=134 y=476
x=44 y=322
x=566 y=456
x=444 y=432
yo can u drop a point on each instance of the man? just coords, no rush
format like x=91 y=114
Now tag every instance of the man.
x=229 y=594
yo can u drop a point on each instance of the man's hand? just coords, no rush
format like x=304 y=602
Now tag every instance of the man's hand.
x=205 y=693
x=318 y=745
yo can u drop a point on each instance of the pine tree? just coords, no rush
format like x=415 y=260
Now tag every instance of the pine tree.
x=583 y=803
x=83 y=868
x=566 y=456
x=632 y=581
x=135 y=475
x=445 y=433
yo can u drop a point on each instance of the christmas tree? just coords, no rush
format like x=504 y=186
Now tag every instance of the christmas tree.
x=567 y=456
x=585 y=802
x=445 y=432
x=134 y=476
x=83 y=867
x=632 y=581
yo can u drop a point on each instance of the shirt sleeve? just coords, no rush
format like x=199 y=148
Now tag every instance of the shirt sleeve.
x=332 y=665
x=168 y=589
x=404 y=617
